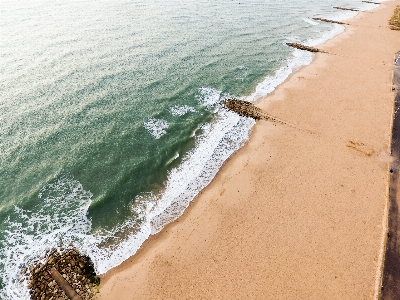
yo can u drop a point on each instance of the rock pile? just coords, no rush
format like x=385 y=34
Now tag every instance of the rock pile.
x=76 y=268
x=243 y=108
x=371 y=2
x=330 y=21
x=344 y=8
x=303 y=47
x=249 y=110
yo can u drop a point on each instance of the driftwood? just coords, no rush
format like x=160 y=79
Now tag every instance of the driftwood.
x=330 y=21
x=68 y=290
x=343 y=8
x=305 y=48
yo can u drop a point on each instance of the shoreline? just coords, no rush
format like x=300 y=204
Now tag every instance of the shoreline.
x=156 y=268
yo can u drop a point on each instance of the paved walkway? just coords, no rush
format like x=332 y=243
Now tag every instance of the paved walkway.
x=391 y=271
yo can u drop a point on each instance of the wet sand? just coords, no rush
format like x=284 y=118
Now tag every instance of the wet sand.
x=294 y=214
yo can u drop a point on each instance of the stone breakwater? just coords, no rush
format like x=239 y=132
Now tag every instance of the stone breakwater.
x=344 y=8
x=305 y=48
x=75 y=268
x=330 y=21
x=378 y=3
x=249 y=110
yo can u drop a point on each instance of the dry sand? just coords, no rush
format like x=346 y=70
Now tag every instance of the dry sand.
x=293 y=214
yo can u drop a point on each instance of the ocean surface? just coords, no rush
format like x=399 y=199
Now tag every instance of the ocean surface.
x=110 y=122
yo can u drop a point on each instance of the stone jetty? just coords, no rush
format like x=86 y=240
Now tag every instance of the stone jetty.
x=344 y=8
x=330 y=21
x=75 y=268
x=249 y=110
x=371 y=2
x=305 y=48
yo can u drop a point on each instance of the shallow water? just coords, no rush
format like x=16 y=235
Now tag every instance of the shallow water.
x=110 y=116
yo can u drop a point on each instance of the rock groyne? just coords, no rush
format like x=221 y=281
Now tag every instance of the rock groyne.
x=371 y=2
x=75 y=268
x=330 y=21
x=305 y=48
x=249 y=110
x=344 y=8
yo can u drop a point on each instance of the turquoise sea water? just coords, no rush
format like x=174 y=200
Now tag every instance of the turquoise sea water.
x=110 y=123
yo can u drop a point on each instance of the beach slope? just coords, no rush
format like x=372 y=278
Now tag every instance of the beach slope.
x=299 y=212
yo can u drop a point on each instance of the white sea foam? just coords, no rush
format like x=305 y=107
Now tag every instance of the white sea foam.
x=364 y=6
x=39 y=231
x=341 y=15
x=217 y=142
x=337 y=29
x=299 y=59
x=156 y=127
x=208 y=97
x=225 y=135
x=172 y=159
x=182 y=110
x=61 y=218
x=311 y=22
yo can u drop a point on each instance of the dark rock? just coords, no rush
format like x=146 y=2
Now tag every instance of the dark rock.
x=330 y=21
x=305 y=48
x=76 y=268
x=371 y=2
x=344 y=8
x=249 y=110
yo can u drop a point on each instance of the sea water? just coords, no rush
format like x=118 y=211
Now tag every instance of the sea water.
x=110 y=122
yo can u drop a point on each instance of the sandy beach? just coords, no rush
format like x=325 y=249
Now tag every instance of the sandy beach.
x=297 y=213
